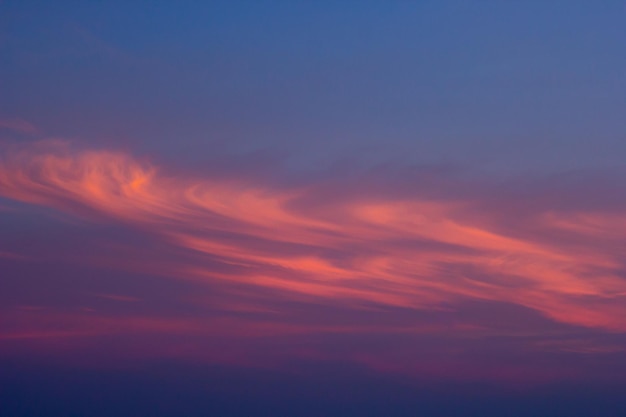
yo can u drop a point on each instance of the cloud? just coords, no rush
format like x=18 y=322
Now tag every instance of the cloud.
x=391 y=270
x=342 y=242
x=19 y=126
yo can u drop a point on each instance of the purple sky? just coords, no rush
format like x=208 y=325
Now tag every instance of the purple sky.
x=405 y=202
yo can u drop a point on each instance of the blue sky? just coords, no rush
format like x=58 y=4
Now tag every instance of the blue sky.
x=497 y=85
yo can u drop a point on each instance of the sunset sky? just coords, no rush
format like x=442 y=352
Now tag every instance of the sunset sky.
x=329 y=208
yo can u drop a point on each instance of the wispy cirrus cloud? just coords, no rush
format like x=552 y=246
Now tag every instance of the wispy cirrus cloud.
x=18 y=125
x=356 y=244
x=405 y=250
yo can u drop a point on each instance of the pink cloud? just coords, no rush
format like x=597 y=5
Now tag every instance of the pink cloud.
x=251 y=246
x=250 y=225
x=19 y=126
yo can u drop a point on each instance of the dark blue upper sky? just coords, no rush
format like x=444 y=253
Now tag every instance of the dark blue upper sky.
x=522 y=86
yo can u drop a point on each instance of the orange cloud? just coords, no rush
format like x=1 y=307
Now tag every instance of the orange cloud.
x=403 y=250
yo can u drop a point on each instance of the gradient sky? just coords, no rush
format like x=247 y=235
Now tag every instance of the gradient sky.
x=312 y=208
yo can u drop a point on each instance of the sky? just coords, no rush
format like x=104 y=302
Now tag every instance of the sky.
x=303 y=208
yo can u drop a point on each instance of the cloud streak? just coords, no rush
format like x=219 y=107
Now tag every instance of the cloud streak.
x=360 y=245
x=403 y=250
